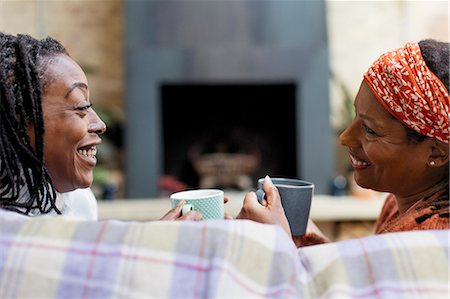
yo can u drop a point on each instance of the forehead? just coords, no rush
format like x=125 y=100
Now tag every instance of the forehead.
x=367 y=104
x=61 y=73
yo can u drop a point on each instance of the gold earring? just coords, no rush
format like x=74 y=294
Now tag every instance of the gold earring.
x=432 y=163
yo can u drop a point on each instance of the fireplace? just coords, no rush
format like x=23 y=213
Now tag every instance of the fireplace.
x=226 y=135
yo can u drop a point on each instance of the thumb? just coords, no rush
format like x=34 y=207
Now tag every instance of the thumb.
x=272 y=194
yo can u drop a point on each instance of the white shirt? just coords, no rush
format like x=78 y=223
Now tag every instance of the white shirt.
x=80 y=203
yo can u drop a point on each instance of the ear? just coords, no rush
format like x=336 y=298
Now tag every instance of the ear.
x=439 y=154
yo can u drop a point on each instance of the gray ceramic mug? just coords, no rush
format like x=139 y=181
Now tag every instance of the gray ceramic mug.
x=296 y=198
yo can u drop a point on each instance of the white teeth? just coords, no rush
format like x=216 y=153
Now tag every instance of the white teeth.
x=88 y=153
x=357 y=162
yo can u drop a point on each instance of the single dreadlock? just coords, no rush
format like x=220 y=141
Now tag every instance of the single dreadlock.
x=25 y=183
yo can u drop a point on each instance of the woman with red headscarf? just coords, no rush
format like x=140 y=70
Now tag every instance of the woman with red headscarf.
x=398 y=142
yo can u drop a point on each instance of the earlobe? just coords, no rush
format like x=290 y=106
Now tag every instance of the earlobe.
x=439 y=154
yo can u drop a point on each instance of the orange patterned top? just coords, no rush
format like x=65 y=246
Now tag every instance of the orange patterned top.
x=431 y=212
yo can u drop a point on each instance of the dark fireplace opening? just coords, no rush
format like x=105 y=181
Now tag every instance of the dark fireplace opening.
x=226 y=135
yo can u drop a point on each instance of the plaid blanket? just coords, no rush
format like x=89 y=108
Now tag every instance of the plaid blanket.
x=412 y=264
x=53 y=257
x=56 y=257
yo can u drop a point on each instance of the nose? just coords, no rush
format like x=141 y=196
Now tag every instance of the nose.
x=96 y=125
x=350 y=136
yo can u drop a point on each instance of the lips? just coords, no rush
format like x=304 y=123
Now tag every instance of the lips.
x=358 y=163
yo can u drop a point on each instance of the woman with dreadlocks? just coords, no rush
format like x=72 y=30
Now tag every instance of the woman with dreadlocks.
x=398 y=143
x=49 y=131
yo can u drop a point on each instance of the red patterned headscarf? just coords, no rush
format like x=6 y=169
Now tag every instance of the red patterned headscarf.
x=405 y=86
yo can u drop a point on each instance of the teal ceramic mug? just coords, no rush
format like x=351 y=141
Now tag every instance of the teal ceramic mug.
x=209 y=202
x=296 y=198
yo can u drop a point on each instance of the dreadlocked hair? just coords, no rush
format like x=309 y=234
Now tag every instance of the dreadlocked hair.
x=25 y=183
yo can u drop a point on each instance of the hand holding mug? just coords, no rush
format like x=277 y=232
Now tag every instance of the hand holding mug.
x=183 y=211
x=176 y=213
x=296 y=196
x=271 y=212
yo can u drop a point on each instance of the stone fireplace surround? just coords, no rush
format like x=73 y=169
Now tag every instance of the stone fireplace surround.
x=225 y=41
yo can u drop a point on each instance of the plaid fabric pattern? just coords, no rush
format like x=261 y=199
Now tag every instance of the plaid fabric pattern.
x=52 y=257
x=413 y=264
x=55 y=257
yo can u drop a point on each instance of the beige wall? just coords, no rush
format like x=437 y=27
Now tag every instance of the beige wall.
x=360 y=31
x=92 y=32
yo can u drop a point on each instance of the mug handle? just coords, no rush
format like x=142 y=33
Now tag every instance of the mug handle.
x=186 y=208
x=260 y=194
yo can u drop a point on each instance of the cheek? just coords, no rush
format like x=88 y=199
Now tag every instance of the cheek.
x=65 y=130
x=55 y=148
x=392 y=162
x=378 y=157
x=382 y=154
x=61 y=140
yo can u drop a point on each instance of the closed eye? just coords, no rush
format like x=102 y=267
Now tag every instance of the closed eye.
x=83 y=108
x=369 y=130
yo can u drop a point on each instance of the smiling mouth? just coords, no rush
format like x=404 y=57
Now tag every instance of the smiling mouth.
x=358 y=163
x=89 y=151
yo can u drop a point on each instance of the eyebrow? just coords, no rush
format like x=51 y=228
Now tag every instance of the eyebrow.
x=76 y=85
x=373 y=120
x=366 y=117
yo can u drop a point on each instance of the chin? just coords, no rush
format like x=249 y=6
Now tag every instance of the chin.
x=370 y=186
x=73 y=183
x=84 y=179
x=85 y=184
x=81 y=184
x=363 y=184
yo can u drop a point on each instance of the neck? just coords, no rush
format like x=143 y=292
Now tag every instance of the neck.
x=406 y=202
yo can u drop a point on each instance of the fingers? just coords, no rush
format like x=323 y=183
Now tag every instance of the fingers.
x=313 y=228
x=264 y=202
x=228 y=216
x=249 y=206
x=192 y=216
x=261 y=195
x=251 y=201
x=175 y=212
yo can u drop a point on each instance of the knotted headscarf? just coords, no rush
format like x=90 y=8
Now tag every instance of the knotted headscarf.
x=407 y=88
